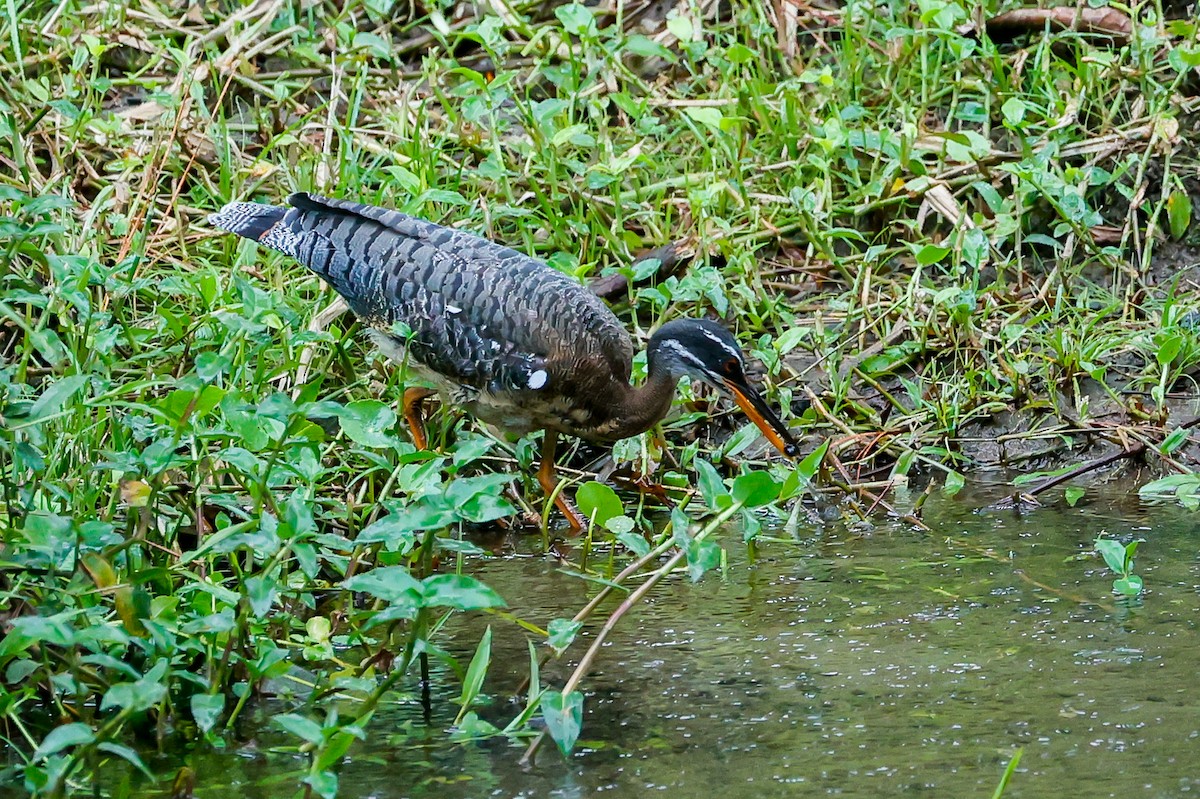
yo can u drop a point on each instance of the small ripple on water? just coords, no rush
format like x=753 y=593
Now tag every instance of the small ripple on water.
x=876 y=666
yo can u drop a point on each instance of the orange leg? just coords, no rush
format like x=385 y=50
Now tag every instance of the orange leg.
x=413 y=397
x=549 y=480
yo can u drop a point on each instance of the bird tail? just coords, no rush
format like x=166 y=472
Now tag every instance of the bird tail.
x=262 y=223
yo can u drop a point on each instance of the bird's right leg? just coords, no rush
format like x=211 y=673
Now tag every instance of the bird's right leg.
x=413 y=397
x=548 y=478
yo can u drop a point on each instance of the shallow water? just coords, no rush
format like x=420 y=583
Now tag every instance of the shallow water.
x=889 y=663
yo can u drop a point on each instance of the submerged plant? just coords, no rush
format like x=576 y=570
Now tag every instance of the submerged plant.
x=1119 y=558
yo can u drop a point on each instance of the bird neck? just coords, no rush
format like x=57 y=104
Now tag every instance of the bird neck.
x=643 y=406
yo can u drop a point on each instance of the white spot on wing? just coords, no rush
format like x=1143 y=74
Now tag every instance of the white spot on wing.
x=538 y=379
x=453 y=308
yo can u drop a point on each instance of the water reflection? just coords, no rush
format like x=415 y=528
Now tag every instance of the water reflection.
x=846 y=664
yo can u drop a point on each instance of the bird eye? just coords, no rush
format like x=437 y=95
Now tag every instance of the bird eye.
x=730 y=367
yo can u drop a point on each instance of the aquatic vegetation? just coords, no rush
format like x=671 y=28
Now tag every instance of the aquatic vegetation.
x=947 y=250
x=1119 y=558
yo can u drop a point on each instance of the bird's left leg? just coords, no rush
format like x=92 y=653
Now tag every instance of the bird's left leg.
x=548 y=478
x=413 y=397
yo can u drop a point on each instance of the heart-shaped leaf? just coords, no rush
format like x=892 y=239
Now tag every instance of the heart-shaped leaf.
x=564 y=718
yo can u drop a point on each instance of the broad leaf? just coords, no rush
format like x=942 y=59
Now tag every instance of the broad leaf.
x=369 y=422
x=62 y=737
x=564 y=718
x=389 y=583
x=755 y=488
x=207 y=709
x=303 y=728
x=459 y=591
x=598 y=502
x=562 y=634
x=702 y=555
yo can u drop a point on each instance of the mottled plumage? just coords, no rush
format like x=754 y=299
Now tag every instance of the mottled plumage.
x=511 y=340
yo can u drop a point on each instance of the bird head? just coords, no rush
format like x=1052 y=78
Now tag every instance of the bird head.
x=704 y=350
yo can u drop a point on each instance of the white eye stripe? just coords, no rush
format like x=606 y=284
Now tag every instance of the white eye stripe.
x=684 y=353
x=722 y=343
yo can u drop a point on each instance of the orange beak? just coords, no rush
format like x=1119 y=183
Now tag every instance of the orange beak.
x=761 y=414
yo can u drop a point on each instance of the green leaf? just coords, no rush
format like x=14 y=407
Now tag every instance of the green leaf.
x=389 y=583
x=1173 y=486
x=318 y=628
x=890 y=358
x=645 y=47
x=1168 y=349
x=1174 y=440
x=576 y=19
x=207 y=709
x=476 y=672
x=739 y=54
x=430 y=512
x=681 y=27
x=564 y=718
x=1185 y=56
x=1073 y=494
x=711 y=485
x=1129 y=586
x=1036 y=477
x=702 y=555
x=975 y=247
x=126 y=754
x=742 y=438
x=573 y=134
x=261 y=593
x=1179 y=213
x=443 y=196
x=253 y=430
x=598 y=502
x=1013 y=110
x=807 y=468
x=303 y=728
x=323 y=783
x=211 y=365
x=373 y=43
x=754 y=489
x=459 y=591
x=931 y=254
x=140 y=695
x=562 y=634
x=63 y=737
x=478 y=499
x=634 y=542
x=368 y=422
x=469 y=449
x=472 y=728
x=55 y=397
x=1130 y=549
x=705 y=115
x=620 y=525
x=954 y=483
x=335 y=748
x=1113 y=553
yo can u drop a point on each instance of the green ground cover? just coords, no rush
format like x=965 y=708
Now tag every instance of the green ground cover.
x=948 y=249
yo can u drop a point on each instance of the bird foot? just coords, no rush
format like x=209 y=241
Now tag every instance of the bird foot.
x=413 y=397
x=575 y=519
x=548 y=478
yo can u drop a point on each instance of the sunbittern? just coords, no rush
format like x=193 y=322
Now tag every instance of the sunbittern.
x=511 y=340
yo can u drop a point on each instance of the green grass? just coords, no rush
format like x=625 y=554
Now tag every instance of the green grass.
x=920 y=226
